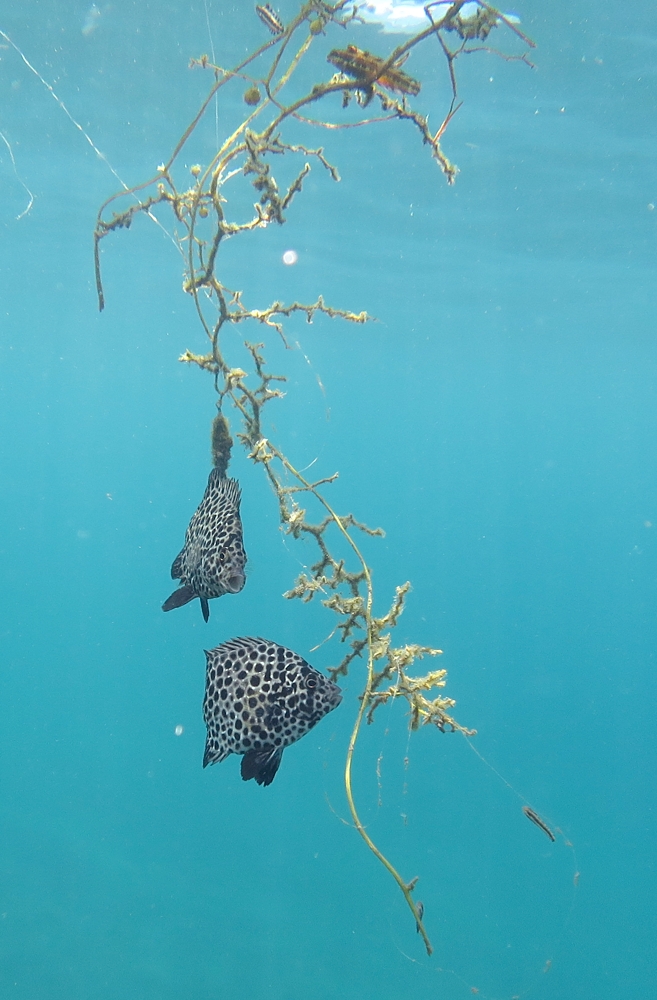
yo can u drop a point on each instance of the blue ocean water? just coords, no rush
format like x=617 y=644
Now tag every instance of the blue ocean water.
x=498 y=420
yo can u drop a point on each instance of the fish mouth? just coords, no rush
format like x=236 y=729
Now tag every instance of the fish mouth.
x=235 y=582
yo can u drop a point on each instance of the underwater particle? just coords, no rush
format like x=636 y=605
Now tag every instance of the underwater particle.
x=651 y=207
x=270 y=19
x=260 y=698
x=536 y=819
x=647 y=524
x=91 y=20
x=212 y=559
x=179 y=730
x=252 y=96
x=290 y=257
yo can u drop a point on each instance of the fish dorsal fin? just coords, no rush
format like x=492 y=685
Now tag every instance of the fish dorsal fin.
x=240 y=645
x=213 y=659
x=230 y=488
x=215 y=751
x=176 y=568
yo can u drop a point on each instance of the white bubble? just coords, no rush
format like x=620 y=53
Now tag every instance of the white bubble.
x=179 y=730
x=403 y=17
x=91 y=20
x=290 y=257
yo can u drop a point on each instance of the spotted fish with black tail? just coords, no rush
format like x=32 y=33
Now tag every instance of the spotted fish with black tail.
x=212 y=560
x=260 y=698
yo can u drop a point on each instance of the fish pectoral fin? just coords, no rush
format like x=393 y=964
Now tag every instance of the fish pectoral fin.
x=176 y=568
x=179 y=597
x=261 y=764
x=205 y=608
x=275 y=713
x=214 y=751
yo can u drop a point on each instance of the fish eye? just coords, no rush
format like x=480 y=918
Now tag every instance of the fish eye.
x=311 y=681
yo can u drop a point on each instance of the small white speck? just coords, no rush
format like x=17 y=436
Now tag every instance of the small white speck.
x=651 y=207
x=290 y=257
x=179 y=730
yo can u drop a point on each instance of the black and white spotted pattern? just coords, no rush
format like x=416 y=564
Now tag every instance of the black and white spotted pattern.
x=212 y=560
x=259 y=698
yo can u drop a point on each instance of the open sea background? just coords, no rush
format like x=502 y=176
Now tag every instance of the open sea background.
x=498 y=420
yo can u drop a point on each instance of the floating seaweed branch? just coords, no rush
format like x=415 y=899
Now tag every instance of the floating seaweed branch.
x=252 y=153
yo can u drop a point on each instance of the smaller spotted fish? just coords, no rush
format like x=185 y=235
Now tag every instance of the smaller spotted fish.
x=212 y=561
x=260 y=698
x=270 y=18
x=362 y=65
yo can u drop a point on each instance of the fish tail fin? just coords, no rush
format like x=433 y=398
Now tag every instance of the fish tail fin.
x=261 y=765
x=179 y=597
x=205 y=608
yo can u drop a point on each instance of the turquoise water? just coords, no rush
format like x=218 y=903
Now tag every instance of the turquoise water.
x=498 y=420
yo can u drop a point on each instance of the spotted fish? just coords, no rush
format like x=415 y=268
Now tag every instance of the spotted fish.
x=212 y=561
x=259 y=698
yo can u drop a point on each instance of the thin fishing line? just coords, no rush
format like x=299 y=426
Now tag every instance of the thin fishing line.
x=554 y=945
x=508 y=784
x=65 y=110
x=567 y=841
x=18 y=177
x=79 y=127
x=214 y=60
x=407 y=762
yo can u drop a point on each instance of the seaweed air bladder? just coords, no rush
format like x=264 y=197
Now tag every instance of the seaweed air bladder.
x=382 y=88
